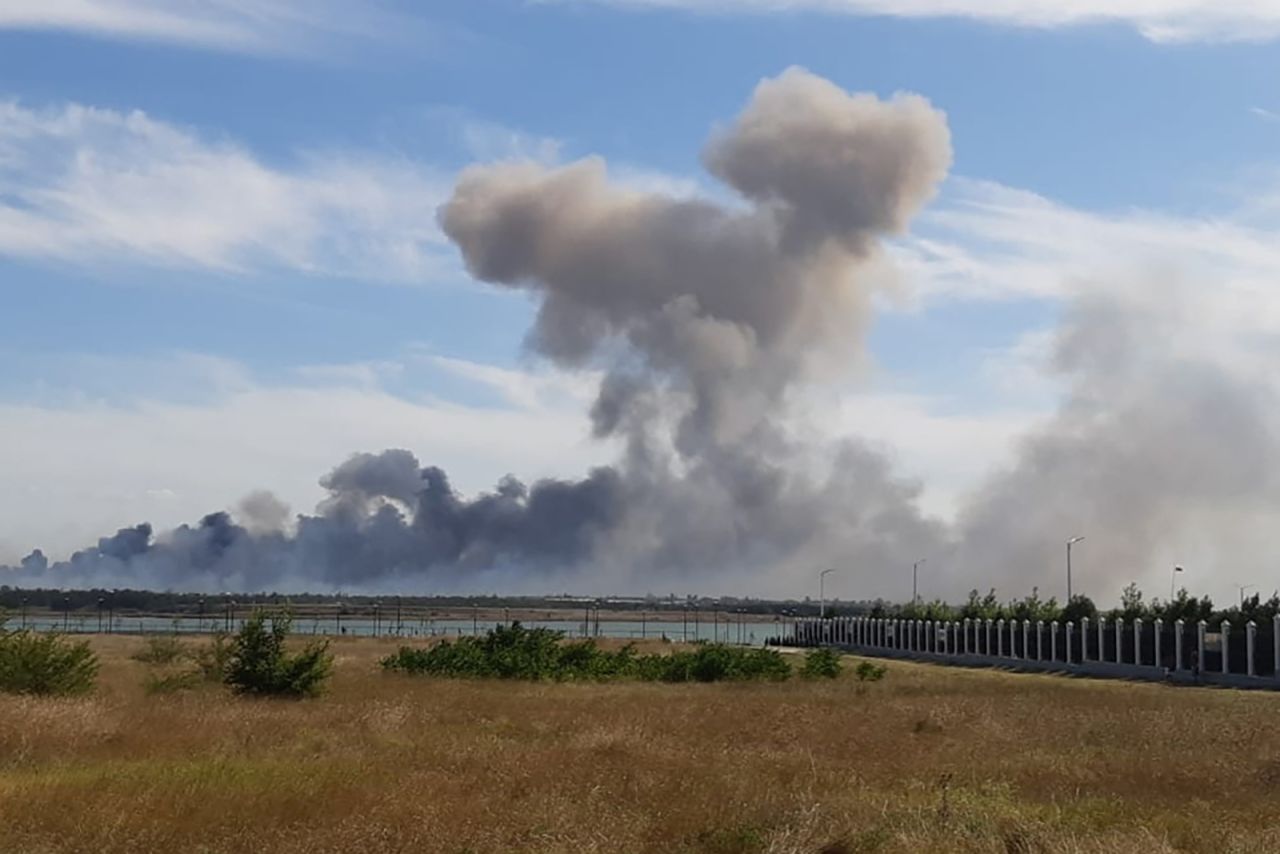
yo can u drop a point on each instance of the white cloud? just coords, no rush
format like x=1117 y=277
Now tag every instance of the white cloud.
x=1158 y=20
x=88 y=186
x=984 y=241
x=263 y=26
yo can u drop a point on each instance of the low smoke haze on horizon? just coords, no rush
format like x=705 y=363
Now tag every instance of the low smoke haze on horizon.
x=717 y=339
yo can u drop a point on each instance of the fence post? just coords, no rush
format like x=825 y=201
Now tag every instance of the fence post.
x=1084 y=639
x=1158 y=627
x=1137 y=641
x=1039 y=640
x=1102 y=639
x=1026 y=639
x=990 y=623
x=1119 y=640
x=1070 y=627
x=1013 y=640
x=1275 y=644
x=1225 y=629
x=966 y=635
x=1250 y=630
x=1053 y=641
x=1000 y=637
x=1201 y=627
x=1178 y=628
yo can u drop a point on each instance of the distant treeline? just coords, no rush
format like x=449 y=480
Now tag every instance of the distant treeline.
x=1132 y=606
x=153 y=602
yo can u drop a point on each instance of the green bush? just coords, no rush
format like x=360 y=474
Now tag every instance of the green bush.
x=821 y=663
x=715 y=663
x=214 y=659
x=515 y=652
x=258 y=663
x=161 y=649
x=32 y=663
x=868 y=672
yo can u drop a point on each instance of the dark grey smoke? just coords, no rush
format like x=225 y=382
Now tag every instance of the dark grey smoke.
x=705 y=320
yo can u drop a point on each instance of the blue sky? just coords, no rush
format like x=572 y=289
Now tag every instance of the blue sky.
x=215 y=227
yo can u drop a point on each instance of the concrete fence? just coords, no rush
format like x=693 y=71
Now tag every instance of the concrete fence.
x=1154 y=650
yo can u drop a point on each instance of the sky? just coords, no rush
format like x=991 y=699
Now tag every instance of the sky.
x=222 y=269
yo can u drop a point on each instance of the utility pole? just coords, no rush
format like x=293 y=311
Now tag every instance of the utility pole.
x=915 y=573
x=822 y=592
x=1070 y=543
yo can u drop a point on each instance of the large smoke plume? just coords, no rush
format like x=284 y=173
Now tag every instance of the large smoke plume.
x=706 y=321
x=704 y=318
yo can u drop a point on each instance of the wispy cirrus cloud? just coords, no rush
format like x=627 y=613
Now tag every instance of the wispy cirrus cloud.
x=1158 y=20
x=984 y=240
x=261 y=27
x=88 y=186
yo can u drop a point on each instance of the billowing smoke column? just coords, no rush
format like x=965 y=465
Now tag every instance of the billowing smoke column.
x=1165 y=450
x=704 y=318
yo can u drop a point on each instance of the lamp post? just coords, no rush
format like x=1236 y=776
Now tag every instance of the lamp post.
x=915 y=571
x=822 y=592
x=1242 y=588
x=1071 y=542
x=1173 y=581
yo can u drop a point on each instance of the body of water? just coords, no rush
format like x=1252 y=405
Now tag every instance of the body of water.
x=752 y=633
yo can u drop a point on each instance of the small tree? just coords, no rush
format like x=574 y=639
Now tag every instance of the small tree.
x=260 y=665
x=32 y=663
x=821 y=663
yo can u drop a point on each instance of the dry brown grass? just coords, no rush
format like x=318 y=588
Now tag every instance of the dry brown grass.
x=930 y=759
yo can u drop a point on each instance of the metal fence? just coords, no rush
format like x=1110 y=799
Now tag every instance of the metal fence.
x=1247 y=656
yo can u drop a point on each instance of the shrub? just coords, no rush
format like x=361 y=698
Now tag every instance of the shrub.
x=161 y=650
x=213 y=660
x=868 y=672
x=715 y=663
x=259 y=664
x=32 y=663
x=821 y=663
x=515 y=652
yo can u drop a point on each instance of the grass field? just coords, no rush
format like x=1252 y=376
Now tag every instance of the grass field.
x=930 y=759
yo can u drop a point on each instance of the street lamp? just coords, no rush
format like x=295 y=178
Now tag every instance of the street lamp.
x=1070 y=543
x=915 y=568
x=1242 y=588
x=822 y=592
x=1173 y=581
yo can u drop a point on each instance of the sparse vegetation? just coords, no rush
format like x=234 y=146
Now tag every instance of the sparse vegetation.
x=161 y=649
x=869 y=671
x=931 y=759
x=516 y=652
x=33 y=663
x=259 y=663
x=171 y=682
x=821 y=663
x=213 y=659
